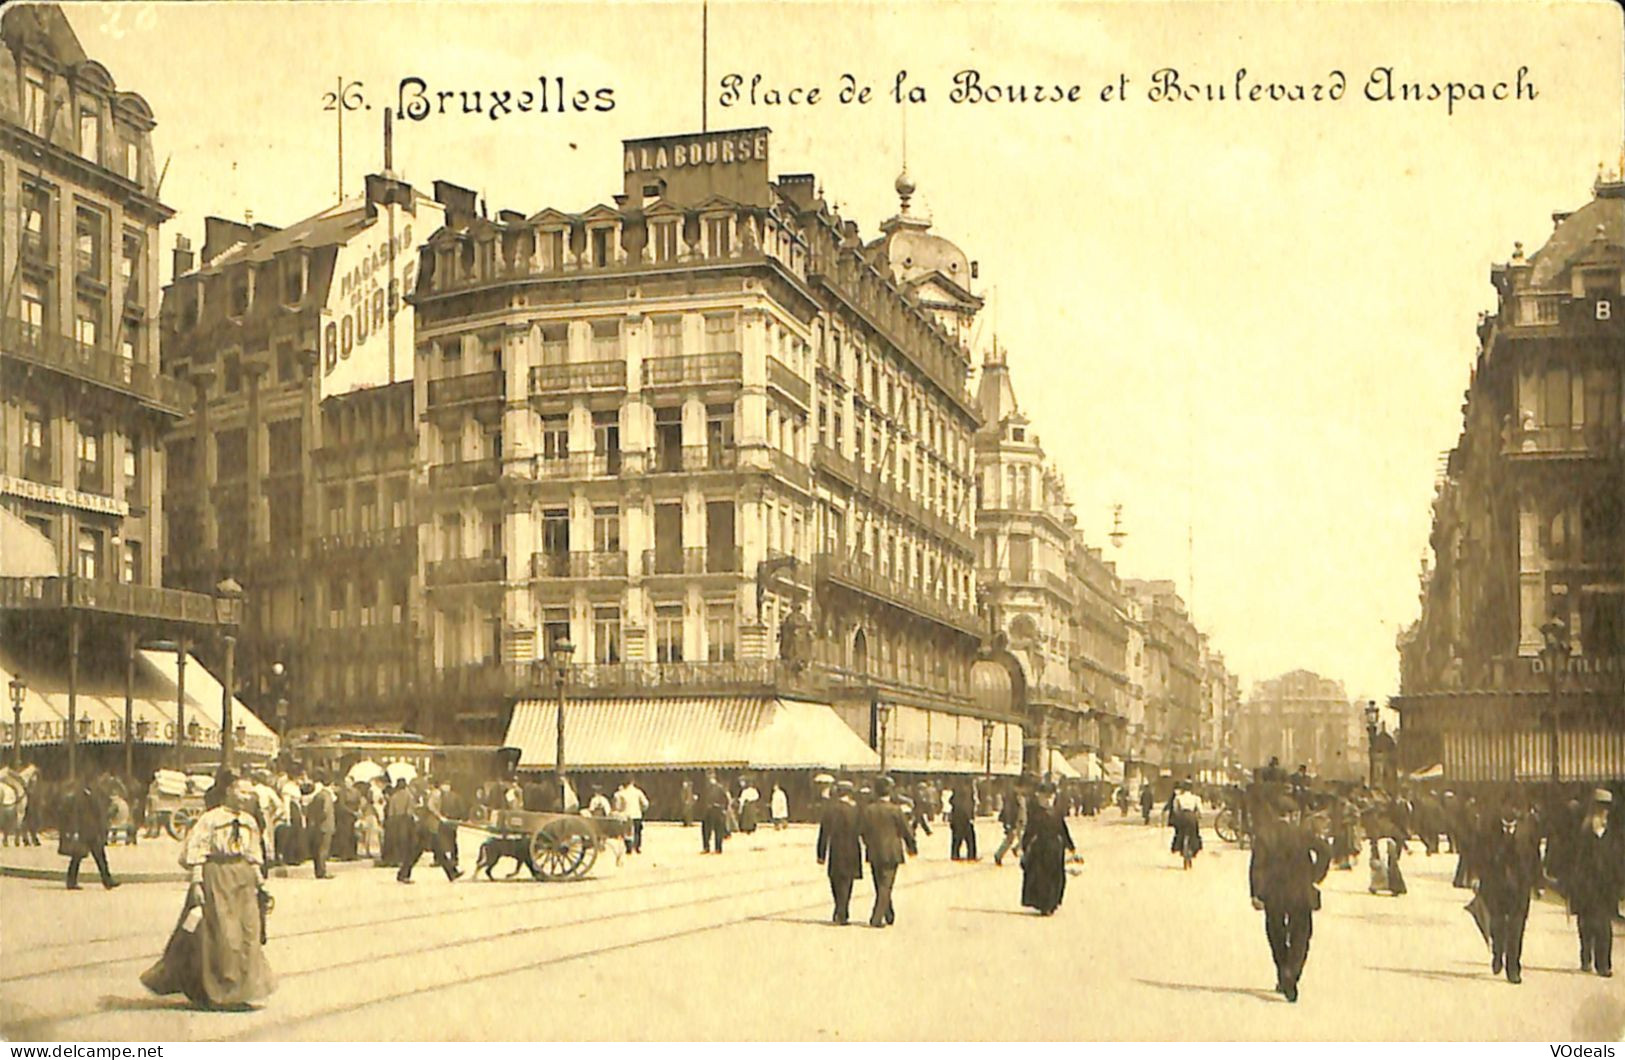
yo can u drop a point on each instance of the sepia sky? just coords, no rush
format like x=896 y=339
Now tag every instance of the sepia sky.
x=1248 y=322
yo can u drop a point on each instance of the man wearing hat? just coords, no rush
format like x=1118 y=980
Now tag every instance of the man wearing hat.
x=1288 y=861
x=886 y=835
x=839 y=848
x=1509 y=870
x=1596 y=878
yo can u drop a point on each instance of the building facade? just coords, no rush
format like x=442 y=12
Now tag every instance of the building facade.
x=1171 y=676
x=84 y=407
x=1302 y=718
x=1515 y=669
x=712 y=439
x=293 y=469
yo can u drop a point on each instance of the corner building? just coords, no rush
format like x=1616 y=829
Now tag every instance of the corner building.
x=722 y=445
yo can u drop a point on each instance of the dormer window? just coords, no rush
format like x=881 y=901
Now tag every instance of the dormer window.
x=241 y=292
x=294 y=270
x=600 y=247
x=1597 y=283
x=1018 y=434
x=90 y=132
x=34 y=101
x=663 y=238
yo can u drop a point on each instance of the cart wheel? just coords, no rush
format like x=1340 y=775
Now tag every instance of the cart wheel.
x=1225 y=826
x=560 y=848
x=180 y=822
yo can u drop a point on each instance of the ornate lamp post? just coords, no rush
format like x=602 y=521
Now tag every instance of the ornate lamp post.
x=19 y=688
x=560 y=658
x=883 y=721
x=1371 y=716
x=987 y=747
x=1556 y=649
x=279 y=688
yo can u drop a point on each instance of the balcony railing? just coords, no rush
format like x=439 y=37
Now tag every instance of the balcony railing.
x=579 y=465
x=710 y=457
x=1536 y=310
x=584 y=375
x=693 y=369
x=693 y=560
x=139 y=601
x=465 y=473
x=464 y=571
x=30 y=342
x=476 y=386
x=578 y=565
x=376 y=540
x=779 y=375
x=788 y=469
x=830 y=459
x=1595 y=440
x=869 y=580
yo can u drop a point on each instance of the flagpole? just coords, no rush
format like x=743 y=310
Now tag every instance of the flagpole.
x=705 y=61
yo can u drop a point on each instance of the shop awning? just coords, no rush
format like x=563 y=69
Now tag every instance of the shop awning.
x=100 y=706
x=747 y=732
x=24 y=551
x=1060 y=767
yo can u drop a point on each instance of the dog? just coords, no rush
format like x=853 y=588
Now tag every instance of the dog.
x=493 y=850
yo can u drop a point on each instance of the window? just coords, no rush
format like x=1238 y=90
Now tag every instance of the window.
x=293 y=279
x=555 y=627
x=132 y=473
x=663 y=238
x=606 y=439
x=600 y=247
x=367 y=600
x=130 y=266
x=556 y=536
x=606 y=529
x=606 y=340
x=87 y=321
x=552 y=246
x=717 y=233
x=491 y=445
x=36 y=444
x=37 y=225
x=90 y=553
x=669 y=439
x=132 y=160
x=1021 y=557
x=606 y=635
x=90 y=458
x=337 y=591
x=1559 y=398
x=555 y=343
x=87 y=244
x=492 y=536
x=90 y=134
x=555 y=439
x=669 y=633
x=451 y=444
x=337 y=510
x=241 y=292
x=719 y=435
x=399 y=494
x=128 y=343
x=451 y=536
x=283 y=443
x=231 y=453
x=233 y=375
x=719 y=632
x=719 y=536
x=668 y=336
x=34 y=100
x=668 y=550
x=131 y=572
x=366 y=506
x=721 y=333
x=400 y=600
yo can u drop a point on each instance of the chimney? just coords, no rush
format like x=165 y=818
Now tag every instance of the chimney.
x=183 y=255
x=220 y=235
x=458 y=201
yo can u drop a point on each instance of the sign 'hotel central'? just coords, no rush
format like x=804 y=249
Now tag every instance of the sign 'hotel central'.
x=687 y=170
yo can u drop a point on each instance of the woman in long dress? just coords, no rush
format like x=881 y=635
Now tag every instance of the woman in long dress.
x=215 y=955
x=1044 y=845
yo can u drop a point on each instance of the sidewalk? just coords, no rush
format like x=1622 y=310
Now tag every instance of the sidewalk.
x=149 y=861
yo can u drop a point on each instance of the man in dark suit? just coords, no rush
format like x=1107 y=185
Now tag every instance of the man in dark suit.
x=1508 y=857
x=839 y=848
x=1288 y=861
x=1595 y=880
x=886 y=834
x=84 y=831
x=714 y=815
x=962 y=825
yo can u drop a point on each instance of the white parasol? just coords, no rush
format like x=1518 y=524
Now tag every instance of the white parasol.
x=363 y=772
x=823 y=778
x=401 y=771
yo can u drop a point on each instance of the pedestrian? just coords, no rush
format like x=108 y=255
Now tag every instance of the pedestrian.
x=1288 y=861
x=1382 y=824
x=1044 y=847
x=452 y=811
x=425 y=835
x=1013 y=818
x=1508 y=856
x=291 y=838
x=398 y=825
x=1595 y=882
x=216 y=956
x=1147 y=800
x=886 y=835
x=369 y=829
x=714 y=815
x=685 y=799
x=749 y=807
x=633 y=804
x=962 y=826
x=840 y=850
x=346 y=811
x=1185 y=814
x=779 y=807
x=84 y=832
x=321 y=819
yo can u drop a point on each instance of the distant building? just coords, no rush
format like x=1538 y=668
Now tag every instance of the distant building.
x=1171 y=676
x=1303 y=719
x=1516 y=668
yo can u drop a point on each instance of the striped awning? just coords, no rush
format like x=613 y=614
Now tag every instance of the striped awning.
x=1590 y=754
x=754 y=732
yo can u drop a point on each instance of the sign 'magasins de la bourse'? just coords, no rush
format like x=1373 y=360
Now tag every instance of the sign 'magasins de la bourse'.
x=690 y=169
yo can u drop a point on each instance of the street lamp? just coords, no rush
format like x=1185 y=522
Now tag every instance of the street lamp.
x=227 y=596
x=1371 y=716
x=19 y=688
x=560 y=658
x=1552 y=654
x=987 y=747
x=883 y=720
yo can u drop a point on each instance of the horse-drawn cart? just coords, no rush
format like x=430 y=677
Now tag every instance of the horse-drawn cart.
x=562 y=846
